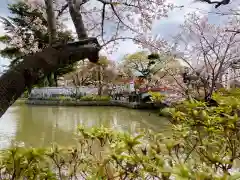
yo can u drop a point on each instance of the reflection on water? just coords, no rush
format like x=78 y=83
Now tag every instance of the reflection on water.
x=42 y=125
x=8 y=127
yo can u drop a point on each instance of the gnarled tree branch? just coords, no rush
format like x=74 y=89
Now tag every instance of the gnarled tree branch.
x=35 y=67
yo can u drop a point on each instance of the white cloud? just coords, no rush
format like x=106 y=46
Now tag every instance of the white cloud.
x=124 y=47
x=169 y=26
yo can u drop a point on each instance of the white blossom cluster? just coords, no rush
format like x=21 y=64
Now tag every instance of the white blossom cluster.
x=123 y=19
x=24 y=38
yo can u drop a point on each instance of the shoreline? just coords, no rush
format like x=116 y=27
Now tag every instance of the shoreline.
x=131 y=105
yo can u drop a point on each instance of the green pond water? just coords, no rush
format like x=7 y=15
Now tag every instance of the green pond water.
x=40 y=126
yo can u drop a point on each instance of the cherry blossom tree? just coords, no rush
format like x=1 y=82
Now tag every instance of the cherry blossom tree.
x=34 y=67
x=106 y=21
x=82 y=76
x=113 y=21
x=27 y=32
x=87 y=73
x=210 y=50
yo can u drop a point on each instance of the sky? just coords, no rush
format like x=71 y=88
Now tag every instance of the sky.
x=166 y=28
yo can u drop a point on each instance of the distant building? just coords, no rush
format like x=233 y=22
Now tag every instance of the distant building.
x=228 y=78
x=58 y=91
x=231 y=78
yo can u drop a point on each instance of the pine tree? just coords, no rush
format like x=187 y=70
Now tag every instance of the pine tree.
x=26 y=33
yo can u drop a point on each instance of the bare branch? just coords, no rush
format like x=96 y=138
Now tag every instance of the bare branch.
x=233 y=31
x=218 y=3
x=61 y=11
x=103 y=17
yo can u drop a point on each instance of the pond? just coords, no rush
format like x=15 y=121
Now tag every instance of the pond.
x=39 y=126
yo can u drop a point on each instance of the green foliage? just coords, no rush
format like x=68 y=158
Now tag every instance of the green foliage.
x=19 y=163
x=17 y=25
x=25 y=94
x=54 y=98
x=64 y=98
x=95 y=98
x=104 y=154
x=204 y=145
x=157 y=96
x=166 y=112
x=143 y=63
x=11 y=52
x=210 y=134
x=60 y=98
x=153 y=56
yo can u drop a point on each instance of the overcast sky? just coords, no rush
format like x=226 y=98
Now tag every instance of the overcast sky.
x=165 y=27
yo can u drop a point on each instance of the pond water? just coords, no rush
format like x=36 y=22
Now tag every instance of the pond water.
x=39 y=126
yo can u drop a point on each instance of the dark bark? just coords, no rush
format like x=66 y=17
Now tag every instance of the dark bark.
x=51 y=21
x=218 y=3
x=99 y=80
x=210 y=102
x=55 y=77
x=50 y=80
x=52 y=33
x=76 y=16
x=37 y=66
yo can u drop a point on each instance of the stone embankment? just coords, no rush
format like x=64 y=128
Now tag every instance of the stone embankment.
x=132 y=105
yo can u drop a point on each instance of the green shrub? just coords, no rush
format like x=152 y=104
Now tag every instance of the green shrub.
x=61 y=98
x=105 y=154
x=95 y=98
x=204 y=145
x=25 y=94
x=210 y=135
x=157 y=96
x=166 y=112
x=65 y=98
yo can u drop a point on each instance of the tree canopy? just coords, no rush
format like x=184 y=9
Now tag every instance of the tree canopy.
x=26 y=33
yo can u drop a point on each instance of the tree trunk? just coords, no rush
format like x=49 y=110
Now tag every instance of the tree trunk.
x=74 y=80
x=35 y=67
x=99 y=81
x=77 y=19
x=50 y=80
x=82 y=78
x=52 y=34
x=51 y=21
x=78 y=82
x=55 y=77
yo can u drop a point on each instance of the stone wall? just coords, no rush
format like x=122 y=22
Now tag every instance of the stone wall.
x=90 y=103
